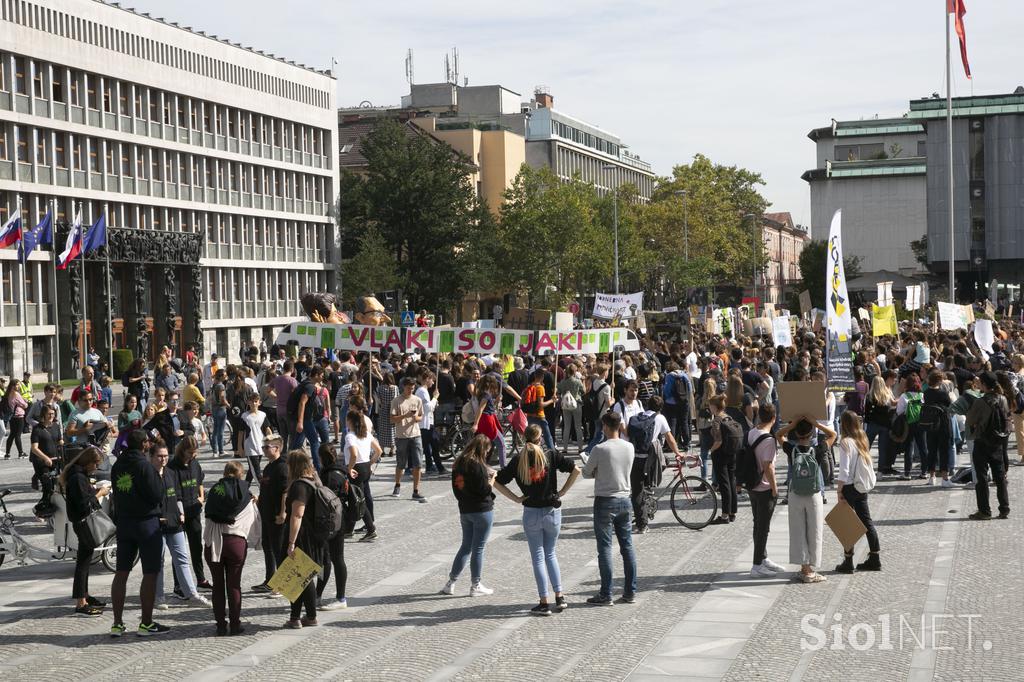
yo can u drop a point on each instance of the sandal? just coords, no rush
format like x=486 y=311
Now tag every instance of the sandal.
x=812 y=577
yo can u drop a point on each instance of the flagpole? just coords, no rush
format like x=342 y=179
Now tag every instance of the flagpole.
x=949 y=145
x=84 y=353
x=24 y=301
x=108 y=286
x=56 y=322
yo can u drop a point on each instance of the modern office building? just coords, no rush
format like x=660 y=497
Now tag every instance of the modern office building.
x=891 y=177
x=215 y=164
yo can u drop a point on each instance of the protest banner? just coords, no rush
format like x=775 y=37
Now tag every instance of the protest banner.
x=781 y=333
x=526 y=318
x=805 y=302
x=883 y=320
x=863 y=314
x=293 y=575
x=884 y=293
x=757 y=326
x=618 y=306
x=951 y=316
x=984 y=335
x=914 y=297
x=800 y=398
x=839 y=354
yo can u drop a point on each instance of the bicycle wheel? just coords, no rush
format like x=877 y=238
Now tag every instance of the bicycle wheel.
x=109 y=554
x=3 y=549
x=693 y=502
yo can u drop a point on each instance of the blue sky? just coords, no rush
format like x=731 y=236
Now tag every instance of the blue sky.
x=741 y=81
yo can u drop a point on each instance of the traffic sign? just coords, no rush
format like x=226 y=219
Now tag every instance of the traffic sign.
x=408 y=318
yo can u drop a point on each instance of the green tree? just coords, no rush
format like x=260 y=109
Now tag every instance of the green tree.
x=920 y=249
x=813 y=262
x=372 y=268
x=415 y=192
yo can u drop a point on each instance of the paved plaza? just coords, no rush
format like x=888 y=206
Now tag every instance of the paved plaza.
x=698 y=616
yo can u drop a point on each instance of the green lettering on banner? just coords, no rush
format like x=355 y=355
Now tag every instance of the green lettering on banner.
x=604 y=342
x=508 y=344
x=327 y=337
x=447 y=344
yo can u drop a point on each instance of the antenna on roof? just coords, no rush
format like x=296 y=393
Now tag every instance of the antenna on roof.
x=447 y=70
x=410 y=74
x=455 y=71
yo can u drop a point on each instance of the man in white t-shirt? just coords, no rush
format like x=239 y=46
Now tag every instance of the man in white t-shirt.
x=629 y=406
x=648 y=459
x=764 y=495
x=692 y=368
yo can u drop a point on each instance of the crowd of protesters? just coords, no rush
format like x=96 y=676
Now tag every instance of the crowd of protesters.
x=294 y=422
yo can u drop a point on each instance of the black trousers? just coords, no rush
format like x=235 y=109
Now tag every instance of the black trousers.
x=336 y=554
x=83 y=559
x=273 y=544
x=15 y=429
x=680 y=418
x=365 y=473
x=762 y=505
x=724 y=468
x=308 y=600
x=637 y=478
x=988 y=455
x=194 y=534
x=859 y=502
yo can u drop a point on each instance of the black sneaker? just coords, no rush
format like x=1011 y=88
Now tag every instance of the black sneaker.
x=262 y=588
x=627 y=599
x=93 y=601
x=204 y=585
x=561 y=604
x=1003 y=515
x=980 y=516
x=369 y=537
x=416 y=496
x=178 y=594
x=88 y=610
x=599 y=600
x=541 y=610
x=153 y=628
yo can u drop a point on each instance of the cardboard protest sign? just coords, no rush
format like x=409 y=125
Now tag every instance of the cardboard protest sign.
x=799 y=398
x=846 y=525
x=293 y=575
x=527 y=318
x=951 y=316
x=805 y=302
x=757 y=326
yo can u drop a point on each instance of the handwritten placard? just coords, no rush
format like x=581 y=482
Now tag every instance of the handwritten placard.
x=293 y=575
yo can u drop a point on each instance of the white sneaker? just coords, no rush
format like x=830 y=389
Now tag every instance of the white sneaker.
x=162 y=606
x=449 y=587
x=761 y=571
x=771 y=565
x=333 y=605
x=479 y=590
x=931 y=480
x=200 y=599
x=946 y=483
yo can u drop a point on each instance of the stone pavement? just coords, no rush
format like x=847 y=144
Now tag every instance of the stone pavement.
x=698 y=616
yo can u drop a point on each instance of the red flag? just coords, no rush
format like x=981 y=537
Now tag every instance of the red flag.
x=957 y=7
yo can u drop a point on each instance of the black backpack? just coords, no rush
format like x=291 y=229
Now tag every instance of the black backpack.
x=353 y=501
x=732 y=437
x=327 y=513
x=748 y=469
x=640 y=430
x=590 y=405
x=996 y=429
x=933 y=417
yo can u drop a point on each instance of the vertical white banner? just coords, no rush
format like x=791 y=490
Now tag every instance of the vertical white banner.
x=884 y=294
x=837 y=313
x=913 y=297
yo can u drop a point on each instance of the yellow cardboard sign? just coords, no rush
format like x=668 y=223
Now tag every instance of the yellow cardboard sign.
x=293 y=575
x=883 y=320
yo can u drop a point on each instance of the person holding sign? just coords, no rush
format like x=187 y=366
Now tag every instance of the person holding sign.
x=856 y=478
x=301 y=490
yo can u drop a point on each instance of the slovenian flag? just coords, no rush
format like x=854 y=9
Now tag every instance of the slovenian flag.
x=11 y=231
x=41 y=235
x=73 y=245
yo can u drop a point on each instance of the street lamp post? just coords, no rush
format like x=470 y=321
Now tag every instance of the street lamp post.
x=686 y=226
x=615 y=214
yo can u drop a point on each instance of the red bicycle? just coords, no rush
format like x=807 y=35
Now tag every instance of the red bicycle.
x=693 y=501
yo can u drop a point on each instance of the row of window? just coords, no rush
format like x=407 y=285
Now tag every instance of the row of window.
x=144 y=110
x=578 y=136
x=133 y=162
x=591 y=169
x=226 y=235
x=254 y=285
x=130 y=44
x=37 y=280
x=870 y=151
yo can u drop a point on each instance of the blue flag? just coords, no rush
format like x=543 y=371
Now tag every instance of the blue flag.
x=40 y=235
x=97 y=235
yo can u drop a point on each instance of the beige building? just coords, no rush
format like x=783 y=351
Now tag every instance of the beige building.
x=783 y=242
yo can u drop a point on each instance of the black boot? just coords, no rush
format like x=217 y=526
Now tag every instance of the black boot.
x=872 y=564
x=847 y=565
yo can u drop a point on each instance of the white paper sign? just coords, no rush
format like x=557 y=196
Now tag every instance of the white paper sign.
x=884 y=294
x=611 y=306
x=781 y=334
x=914 y=297
x=984 y=335
x=951 y=316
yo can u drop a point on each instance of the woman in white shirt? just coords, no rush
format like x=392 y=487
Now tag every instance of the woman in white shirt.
x=362 y=451
x=427 y=393
x=855 y=479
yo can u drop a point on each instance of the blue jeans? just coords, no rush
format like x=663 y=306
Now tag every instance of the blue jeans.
x=542 y=525
x=499 y=447
x=545 y=429
x=476 y=527
x=180 y=564
x=597 y=438
x=882 y=433
x=311 y=435
x=323 y=429
x=220 y=417
x=916 y=442
x=613 y=514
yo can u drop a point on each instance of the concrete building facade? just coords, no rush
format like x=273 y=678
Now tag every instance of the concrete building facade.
x=783 y=243
x=221 y=156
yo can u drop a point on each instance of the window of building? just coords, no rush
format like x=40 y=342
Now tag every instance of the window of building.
x=59 y=152
x=860 y=152
x=42 y=144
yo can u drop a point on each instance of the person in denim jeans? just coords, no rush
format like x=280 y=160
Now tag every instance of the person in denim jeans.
x=535 y=473
x=534 y=402
x=471 y=484
x=219 y=412
x=609 y=465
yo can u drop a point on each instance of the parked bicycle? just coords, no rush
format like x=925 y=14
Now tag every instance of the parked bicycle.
x=13 y=543
x=692 y=500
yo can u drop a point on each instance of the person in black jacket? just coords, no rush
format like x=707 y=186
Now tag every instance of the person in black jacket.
x=169 y=423
x=193 y=495
x=82 y=499
x=335 y=476
x=471 y=483
x=138 y=503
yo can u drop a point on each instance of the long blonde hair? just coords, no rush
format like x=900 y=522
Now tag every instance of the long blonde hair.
x=880 y=393
x=850 y=427
x=532 y=458
x=300 y=465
